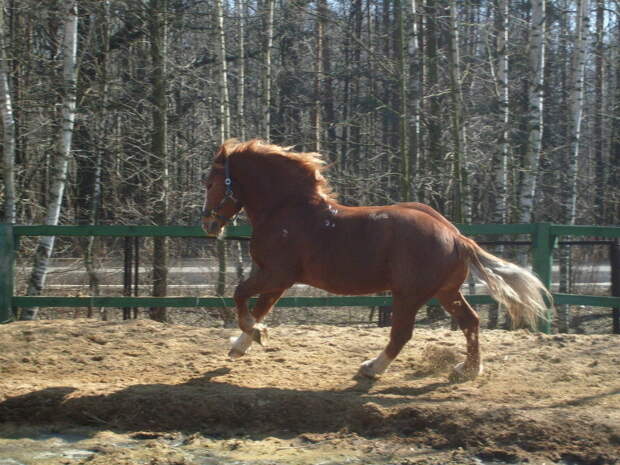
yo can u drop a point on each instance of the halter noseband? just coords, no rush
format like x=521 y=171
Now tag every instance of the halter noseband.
x=228 y=195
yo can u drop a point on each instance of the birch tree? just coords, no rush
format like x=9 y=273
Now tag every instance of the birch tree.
x=224 y=103
x=536 y=74
x=270 y=5
x=501 y=172
x=241 y=12
x=575 y=108
x=100 y=149
x=599 y=110
x=500 y=212
x=8 y=122
x=416 y=94
x=403 y=110
x=159 y=152
x=224 y=114
x=575 y=112
x=321 y=8
x=462 y=206
x=614 y=155
x=45 y=245
x=435 y=100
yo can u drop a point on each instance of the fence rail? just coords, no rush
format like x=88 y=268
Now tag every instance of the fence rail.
x=544 y=238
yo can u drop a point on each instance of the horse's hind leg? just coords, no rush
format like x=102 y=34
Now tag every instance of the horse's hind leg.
x=404 y=311
x=469 y=322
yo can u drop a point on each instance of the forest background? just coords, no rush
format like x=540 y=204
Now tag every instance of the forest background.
x=502 y=111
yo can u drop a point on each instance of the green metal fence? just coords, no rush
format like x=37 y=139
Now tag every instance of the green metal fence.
x=544 y=237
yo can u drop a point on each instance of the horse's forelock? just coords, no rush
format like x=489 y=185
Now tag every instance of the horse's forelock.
x=227 y=148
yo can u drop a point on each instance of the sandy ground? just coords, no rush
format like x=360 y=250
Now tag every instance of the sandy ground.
x=92 y=392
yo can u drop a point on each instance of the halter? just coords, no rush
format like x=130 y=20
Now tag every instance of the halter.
x=228 y=195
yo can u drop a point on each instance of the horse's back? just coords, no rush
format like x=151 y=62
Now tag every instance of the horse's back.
x=430 y=211
x=367 y=249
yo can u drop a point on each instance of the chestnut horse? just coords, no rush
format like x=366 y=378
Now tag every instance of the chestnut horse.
x=302 y=235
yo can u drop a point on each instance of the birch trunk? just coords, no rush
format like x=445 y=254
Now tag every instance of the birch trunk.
x=575 y=112
x=416 y=92
x=599 y=110
x=267 y=76
x=535 y=110
x=159 y=152
x=224 y=106
x=318 y=73
x=8 y=121
x=45 y=244
x=461 y=208
x=241 y=11
x=501 y=172
x=100 y=149
x=613 y=216
x=500 y=212
x=226 y=314
x=435 y=144
x=403 y=113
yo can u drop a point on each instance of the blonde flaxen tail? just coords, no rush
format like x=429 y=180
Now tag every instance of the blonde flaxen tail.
x=524 y=296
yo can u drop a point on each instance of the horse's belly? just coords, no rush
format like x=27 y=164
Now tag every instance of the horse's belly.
x=347 y=280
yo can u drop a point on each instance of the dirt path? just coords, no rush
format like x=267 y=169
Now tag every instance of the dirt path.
x=541 y=399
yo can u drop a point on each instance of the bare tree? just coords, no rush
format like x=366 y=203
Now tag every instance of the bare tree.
x=241 y=12
x=8 y=141
x=45 y=244
x=501 y=171
x=224 y=103
x=267 y=78
x=403 y=108
x=575 y=113
x=415 y=109
x=599 y=110
x=575 y=108
x=157 y=14
x=536 y=75
x=461 y=208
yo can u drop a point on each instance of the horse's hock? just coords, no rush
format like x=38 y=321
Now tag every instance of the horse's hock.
x=540 y=396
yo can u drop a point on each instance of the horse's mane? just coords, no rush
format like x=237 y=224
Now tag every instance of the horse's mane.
x=310 y=163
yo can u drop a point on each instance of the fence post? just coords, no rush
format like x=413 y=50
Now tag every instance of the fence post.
x=542 y=260
x=7 y=269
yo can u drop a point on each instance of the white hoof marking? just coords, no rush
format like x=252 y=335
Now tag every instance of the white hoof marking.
x=376 y=366
x=459 y=369
x=240 y=345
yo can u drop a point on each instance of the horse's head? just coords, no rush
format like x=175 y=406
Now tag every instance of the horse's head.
x=220 y=202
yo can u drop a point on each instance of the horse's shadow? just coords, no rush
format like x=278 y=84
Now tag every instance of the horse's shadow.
x=207 y=404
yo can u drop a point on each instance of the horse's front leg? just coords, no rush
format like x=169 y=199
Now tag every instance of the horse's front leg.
x=250 y=322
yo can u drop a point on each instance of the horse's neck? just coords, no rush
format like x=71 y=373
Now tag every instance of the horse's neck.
x=264 y=210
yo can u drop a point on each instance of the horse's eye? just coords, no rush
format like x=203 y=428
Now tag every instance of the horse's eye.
x=209 y=185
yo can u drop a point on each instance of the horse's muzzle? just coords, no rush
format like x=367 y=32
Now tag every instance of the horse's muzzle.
x=212 y=227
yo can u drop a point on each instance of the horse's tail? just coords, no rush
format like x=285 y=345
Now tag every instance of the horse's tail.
x=522 y=294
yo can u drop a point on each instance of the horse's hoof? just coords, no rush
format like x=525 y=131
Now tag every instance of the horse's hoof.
x=462 y=373
x=240 y=345
x=235 y=353
x=260 y=335
x=367 y=370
